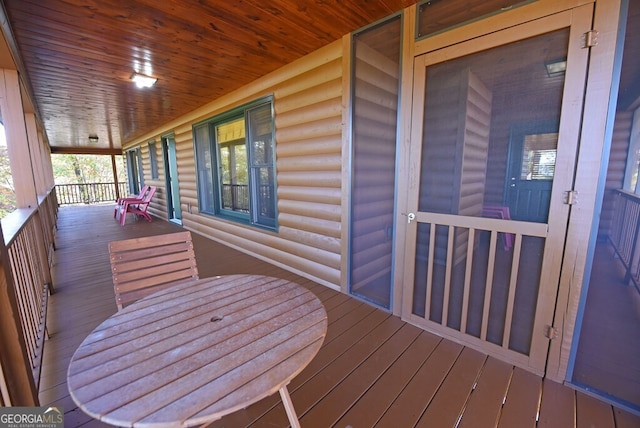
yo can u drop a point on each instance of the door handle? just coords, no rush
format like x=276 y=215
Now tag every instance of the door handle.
x=410 y=217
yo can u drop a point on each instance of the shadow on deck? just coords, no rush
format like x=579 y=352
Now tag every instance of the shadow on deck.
x=373 y=369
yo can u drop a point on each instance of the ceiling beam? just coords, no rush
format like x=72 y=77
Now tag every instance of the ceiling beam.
x=84 y=151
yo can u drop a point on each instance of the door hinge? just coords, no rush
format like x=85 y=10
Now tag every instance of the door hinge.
x=550 y=332
x=570 y=197
x=590 y=39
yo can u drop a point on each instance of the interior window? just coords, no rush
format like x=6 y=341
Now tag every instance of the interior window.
x=539 y=157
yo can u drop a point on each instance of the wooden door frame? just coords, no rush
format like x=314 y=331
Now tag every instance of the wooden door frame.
x=579 y=21
x=599 y=113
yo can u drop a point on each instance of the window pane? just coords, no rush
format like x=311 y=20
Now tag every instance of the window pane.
x=463 y=160
x=235 y=156
x=153 y=159
x=262 y=165
x=539 y=157
x=232 y=166
x=233 y=176
x=435 y=16
x=375 y=112
x=205 y=171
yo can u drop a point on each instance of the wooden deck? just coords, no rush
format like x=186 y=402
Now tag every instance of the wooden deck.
x=373 y=369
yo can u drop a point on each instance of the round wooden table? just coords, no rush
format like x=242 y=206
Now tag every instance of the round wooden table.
x=197 y=351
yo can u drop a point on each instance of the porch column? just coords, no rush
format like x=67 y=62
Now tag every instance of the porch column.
x=13 y=117
x=35 y=154
x=115 y=175
x=45 y=153
x=22 y=138
x=21 y=131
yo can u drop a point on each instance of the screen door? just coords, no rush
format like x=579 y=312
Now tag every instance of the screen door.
x=483 y=267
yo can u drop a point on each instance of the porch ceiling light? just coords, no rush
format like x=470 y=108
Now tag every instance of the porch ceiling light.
x=93 y=138
x=556 y=67
x=143 y=81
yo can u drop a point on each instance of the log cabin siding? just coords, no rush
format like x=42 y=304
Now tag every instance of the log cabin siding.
x=308 y=127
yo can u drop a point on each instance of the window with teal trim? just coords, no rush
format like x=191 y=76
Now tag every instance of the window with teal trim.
x=153 y=160
x=235 y=158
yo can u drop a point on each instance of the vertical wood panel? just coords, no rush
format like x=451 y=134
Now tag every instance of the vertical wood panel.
x=13 y=119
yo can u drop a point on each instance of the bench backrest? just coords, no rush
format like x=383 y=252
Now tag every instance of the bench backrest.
x=141 y=266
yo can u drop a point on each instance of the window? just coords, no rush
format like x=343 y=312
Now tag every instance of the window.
x=235 y=158
x=437 y=16
x=539 y=157
x=153 y=160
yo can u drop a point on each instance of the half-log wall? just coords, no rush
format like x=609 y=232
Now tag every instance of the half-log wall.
x=311 y=104
x=308 y=120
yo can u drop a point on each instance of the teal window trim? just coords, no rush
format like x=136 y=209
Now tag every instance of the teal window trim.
x=153 y=160
x=246 y=195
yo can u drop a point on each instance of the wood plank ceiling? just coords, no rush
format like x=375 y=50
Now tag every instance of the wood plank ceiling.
x=79 y=56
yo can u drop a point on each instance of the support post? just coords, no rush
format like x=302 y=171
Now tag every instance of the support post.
x=115 y=176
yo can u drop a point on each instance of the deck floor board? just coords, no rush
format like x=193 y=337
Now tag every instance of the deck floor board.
x=558 y=407
x=372 y=370
x=485 y=402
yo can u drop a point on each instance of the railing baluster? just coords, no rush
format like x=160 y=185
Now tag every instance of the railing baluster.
x=624 y=231
x=28 y=246
x=89 y=193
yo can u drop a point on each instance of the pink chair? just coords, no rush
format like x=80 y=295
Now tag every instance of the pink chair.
x=137 y=207
x=501 y=212
x=120 y=201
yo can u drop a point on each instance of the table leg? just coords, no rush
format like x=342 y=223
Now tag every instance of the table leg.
x=288 y=407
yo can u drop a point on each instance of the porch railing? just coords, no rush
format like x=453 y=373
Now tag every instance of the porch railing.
x=26 y=263
x=89 y=193
x=623 y=235
x=235 y=197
